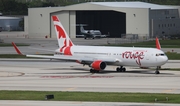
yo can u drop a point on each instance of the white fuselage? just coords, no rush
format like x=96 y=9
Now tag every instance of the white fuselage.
x=122 y=56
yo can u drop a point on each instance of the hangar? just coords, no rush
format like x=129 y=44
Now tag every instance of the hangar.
x=117 y=18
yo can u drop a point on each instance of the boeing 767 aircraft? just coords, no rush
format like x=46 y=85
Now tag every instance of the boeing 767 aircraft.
x=98 y=57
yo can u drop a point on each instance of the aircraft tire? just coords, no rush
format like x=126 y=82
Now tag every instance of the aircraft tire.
x=94 y=71
x=117 y=69
x=123 y=69
x=91 y=71
x=157 y=72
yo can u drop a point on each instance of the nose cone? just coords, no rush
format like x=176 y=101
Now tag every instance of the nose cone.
x=164 y=59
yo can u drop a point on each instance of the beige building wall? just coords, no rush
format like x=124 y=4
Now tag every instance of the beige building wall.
x=137 y=20
x=26 y=24
x=72 y=22
x=39 y=21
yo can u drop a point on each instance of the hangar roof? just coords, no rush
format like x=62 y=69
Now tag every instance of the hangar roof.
x=133 y=5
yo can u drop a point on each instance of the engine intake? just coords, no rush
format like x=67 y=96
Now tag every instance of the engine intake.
x=98 y=65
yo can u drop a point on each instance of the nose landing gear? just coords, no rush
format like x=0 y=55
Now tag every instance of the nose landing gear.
x=157 y=70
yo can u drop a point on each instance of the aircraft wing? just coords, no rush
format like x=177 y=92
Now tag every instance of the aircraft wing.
x=75 y=58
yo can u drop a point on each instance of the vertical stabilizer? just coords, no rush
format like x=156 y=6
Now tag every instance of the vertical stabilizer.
x=64 y=41
x=158 y=46
x=62 y=36
x=82 y=28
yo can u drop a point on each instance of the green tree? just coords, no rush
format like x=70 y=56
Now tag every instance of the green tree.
x=20 y=7
x=11 y=7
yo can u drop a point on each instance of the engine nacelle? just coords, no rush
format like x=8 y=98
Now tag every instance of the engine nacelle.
x=98 y=65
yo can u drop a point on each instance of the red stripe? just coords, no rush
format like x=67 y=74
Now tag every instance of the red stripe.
x=55 y=18
x=67 y=51
x=61 y=32
x=70 y=43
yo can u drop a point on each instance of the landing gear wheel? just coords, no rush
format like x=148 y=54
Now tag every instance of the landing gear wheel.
x=157 y=70
x=85 y=38
x=94 y=71
x=123 y=69
x=91 y=71
x=117 y=69
x=120 y=69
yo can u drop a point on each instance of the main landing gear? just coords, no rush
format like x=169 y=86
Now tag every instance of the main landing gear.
x=120 y=69
x=157 y=70
x=94 y=71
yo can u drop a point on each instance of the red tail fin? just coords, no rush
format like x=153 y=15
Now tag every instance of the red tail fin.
x=158 y=46
x=16 y=48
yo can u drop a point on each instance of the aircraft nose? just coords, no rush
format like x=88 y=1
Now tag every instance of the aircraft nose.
x=164 y=59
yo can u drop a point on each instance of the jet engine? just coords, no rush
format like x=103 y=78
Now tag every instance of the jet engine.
x=98 y=65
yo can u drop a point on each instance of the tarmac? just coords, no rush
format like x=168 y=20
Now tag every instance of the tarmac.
x=46 y=75
x=74 y=103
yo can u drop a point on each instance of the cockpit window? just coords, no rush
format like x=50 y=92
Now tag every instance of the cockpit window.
x=160 y=54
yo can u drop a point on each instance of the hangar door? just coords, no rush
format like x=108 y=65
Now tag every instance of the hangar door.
x=111 y=22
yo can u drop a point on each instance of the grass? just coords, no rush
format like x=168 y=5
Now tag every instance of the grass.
x=173 y=56
x=9 y=44
x=90 y=96
x=19 y=56
x=12 y=56
x=172 y=69
x=164 y=44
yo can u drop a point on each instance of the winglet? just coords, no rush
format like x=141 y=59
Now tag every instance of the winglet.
x=158 y=46
x=16 y=48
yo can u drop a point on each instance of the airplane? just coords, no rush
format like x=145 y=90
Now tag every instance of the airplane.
x=91 y=33
x=98 y=57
